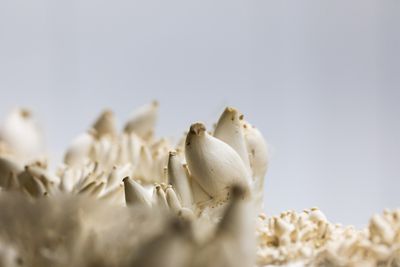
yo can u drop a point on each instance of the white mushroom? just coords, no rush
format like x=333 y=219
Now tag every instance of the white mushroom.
x=79 y=149
x=159 y=198
x=135 y=193
x=22 y=136
x=229 y=129
x=214 y=165
x=142 y=121
x=257 y=149
x=105 y=124
x=178 y=179
x=8 y=167
x=172 y=200
x=258 y=157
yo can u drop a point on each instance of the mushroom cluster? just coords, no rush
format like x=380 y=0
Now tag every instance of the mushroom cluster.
x=129 y=198
x=202 y=191
x=309 y=239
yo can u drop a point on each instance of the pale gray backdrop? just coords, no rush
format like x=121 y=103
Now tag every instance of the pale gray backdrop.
x=319 y=78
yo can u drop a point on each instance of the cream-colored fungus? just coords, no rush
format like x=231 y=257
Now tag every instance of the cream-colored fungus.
x=129 y=198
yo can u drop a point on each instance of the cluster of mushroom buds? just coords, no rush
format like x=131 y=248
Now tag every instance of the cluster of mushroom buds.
x=309 y=239
x=206 y=178
x=291 y=236
x=132 y=199
x=195 y=175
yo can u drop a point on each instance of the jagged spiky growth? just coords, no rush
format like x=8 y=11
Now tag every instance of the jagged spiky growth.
x=127 y=198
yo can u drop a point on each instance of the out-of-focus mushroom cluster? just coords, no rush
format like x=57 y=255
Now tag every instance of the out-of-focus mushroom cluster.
x=129 y=198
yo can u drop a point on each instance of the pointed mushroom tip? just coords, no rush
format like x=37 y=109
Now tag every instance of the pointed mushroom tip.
x=126 y=179
x=197 y=128
x=107 y=112
x=104 y=114
x=231 y=113
x=25 y=113
x=230 y=109
x=172 y=153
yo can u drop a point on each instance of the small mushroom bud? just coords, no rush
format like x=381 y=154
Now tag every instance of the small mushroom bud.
x=172 y=200
x=178 y=179
x=380 y=228
x=7 y=168
x=116 y=176
x=214 y=164
x=258 y=151
x=142 y=121
x=31 y=184
x=143 y=169
x=105 y=124
x=134 y=147
x=229 y=129
x=100 y=150
x=159 y=198
x=283 y=230
x=22 y=135
x=79 y=149
x=68 y=180
x=135 y=193
x=258 y=155
x=316 y=215
x=46 y=178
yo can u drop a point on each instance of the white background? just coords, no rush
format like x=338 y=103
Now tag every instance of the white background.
x=321 y=79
